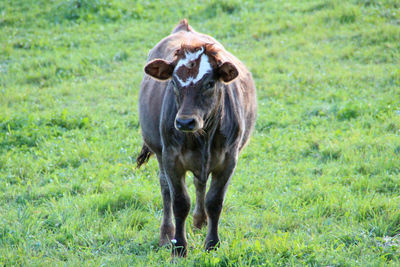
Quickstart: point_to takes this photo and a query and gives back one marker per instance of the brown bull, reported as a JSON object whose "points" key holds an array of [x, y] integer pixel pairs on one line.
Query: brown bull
{"points": [[197, 108]]}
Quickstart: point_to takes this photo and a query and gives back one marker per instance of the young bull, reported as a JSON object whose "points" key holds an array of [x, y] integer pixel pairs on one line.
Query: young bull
{"points": [[197, 108]]}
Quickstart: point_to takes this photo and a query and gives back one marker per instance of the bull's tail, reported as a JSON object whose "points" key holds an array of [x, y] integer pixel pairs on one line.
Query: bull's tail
{"points": [[144, 156]]}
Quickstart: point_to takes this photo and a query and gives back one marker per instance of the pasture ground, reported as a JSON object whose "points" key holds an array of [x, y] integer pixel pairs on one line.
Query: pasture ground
{"points": [[319, 183]]}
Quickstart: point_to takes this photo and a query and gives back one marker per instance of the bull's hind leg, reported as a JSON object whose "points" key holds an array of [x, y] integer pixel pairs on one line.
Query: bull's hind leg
{"points": [[167, 229], [199, 215], [214, 201]]}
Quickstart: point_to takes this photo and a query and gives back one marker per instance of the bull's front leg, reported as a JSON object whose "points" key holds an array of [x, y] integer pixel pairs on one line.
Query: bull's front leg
{"points": [[215, 199], [180, 202]]}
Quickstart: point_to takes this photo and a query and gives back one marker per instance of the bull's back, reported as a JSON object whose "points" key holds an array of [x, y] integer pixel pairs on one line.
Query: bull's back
{"points": [[150, 100], [249, 107]]}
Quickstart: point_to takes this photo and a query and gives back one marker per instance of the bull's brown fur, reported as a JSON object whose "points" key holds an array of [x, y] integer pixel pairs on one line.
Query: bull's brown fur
{"points": [[196, 126]]}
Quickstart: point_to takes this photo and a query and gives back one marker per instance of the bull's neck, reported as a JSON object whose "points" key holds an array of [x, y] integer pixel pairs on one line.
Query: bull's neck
{"points": [[211, 126]]}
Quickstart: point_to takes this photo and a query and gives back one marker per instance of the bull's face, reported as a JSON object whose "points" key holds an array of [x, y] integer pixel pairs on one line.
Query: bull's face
{"points": [[195, 75]]}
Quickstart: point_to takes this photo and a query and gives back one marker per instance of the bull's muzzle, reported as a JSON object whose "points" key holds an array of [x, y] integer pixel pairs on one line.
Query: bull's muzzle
{"points": [[186, 124]]}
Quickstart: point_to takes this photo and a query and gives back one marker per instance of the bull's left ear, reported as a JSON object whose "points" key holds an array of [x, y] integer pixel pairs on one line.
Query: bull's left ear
{"points": [[159, 69], [227, 71]]}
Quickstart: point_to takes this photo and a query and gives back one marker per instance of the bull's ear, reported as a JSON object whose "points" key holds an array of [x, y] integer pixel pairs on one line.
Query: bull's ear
{"points": [[227, 71], [159, 69]]}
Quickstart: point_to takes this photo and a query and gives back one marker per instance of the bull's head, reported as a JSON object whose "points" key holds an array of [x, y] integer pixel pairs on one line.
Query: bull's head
{"points": [[195, 74]]}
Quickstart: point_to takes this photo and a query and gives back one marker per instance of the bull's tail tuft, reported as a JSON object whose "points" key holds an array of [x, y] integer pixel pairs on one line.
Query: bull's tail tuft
{"points": [[144, 156]]}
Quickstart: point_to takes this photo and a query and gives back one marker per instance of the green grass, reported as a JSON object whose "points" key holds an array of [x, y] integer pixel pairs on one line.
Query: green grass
{"points": [[319, 183]]}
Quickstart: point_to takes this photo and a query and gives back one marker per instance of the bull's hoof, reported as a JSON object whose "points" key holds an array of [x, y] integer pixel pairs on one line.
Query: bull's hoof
{"points": [[178, 249], [212, 244], [166, 234], [199, 220]]}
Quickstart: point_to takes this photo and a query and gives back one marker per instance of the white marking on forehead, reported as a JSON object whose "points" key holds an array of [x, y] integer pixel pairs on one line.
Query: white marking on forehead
{"points": [[189, 57], [204, 68]]}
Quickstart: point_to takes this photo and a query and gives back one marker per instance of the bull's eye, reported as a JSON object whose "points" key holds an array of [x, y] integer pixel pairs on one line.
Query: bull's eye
{"points": [[209, 85]]}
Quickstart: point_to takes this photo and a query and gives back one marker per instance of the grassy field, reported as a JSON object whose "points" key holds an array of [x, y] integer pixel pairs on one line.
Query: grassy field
{"points": [[319, 183]]}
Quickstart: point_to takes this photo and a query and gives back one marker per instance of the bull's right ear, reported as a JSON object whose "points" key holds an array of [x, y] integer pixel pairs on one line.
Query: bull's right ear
{"points": [[159, 69]]}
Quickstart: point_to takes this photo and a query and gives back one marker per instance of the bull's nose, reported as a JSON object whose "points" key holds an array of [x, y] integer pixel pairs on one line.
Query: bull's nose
{"points": [[185, 124]]}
